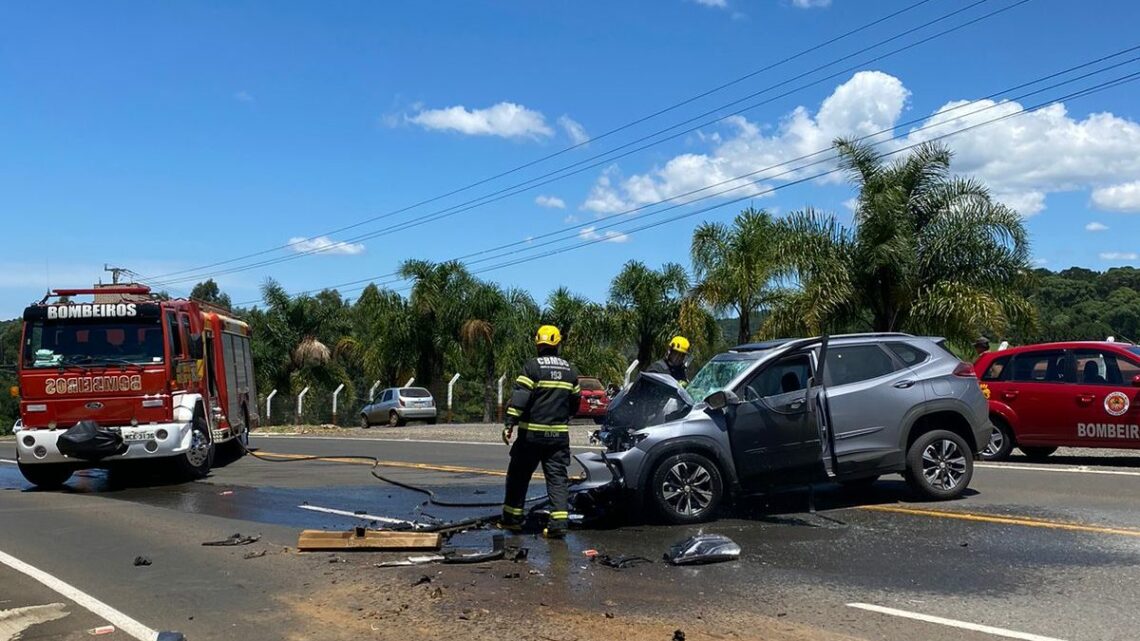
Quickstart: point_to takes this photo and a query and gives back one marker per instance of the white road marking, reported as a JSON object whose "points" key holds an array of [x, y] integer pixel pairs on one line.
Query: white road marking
{"points": [[1083, 469], [13, 622], [302, 437], [365, 517], [953, 623], [7, 460], [111, 615]]}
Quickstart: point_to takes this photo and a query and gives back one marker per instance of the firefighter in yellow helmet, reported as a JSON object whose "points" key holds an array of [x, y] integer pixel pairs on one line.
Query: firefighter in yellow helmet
{"points": [[674, 362], [544, 399]]}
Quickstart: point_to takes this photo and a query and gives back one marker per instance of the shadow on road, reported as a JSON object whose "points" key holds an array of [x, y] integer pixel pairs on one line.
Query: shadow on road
{"points": [[1100, 460]]}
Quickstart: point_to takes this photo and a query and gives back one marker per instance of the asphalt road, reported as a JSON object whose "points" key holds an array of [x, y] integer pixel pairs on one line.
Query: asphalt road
{"points": [[1036, 551]]}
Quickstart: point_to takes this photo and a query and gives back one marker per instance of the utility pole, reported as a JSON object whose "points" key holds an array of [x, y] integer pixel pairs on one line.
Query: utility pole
{"points": [[116, 272]]}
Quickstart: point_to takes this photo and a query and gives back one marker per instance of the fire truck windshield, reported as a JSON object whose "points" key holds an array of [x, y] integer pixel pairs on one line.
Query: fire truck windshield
{"points": [[56, 343]]}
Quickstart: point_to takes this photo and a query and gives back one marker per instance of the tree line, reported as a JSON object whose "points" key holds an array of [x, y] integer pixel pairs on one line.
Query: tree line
{"points": [[926, 252]]}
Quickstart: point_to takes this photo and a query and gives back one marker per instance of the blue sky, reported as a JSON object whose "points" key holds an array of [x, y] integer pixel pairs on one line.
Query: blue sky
{"points": [[162, 137]]}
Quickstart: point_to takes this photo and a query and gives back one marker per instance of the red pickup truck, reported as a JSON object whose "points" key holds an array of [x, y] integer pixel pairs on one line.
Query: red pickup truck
{"points": [[1075, 394]]}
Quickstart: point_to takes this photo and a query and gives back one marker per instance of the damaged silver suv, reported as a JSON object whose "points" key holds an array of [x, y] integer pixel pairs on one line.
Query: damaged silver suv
{"points": [[845, 409]]}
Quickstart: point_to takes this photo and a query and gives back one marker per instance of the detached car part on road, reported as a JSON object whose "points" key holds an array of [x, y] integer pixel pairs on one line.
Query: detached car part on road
{"points": [[398, 405], [845, 409]]}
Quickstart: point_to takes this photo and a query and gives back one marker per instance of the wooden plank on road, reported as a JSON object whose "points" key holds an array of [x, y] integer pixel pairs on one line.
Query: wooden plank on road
{"points": [[362, 539]]}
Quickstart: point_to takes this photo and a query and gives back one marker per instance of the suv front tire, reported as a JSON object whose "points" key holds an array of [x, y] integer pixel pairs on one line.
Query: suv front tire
{"points": [[939, 465], [686, 488]]}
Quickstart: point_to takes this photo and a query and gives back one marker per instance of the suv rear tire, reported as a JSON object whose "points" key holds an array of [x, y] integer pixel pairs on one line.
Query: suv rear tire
{"points": [[47, 476], [686, 488], [1000, 443], [939, 465], [1037, 453]]}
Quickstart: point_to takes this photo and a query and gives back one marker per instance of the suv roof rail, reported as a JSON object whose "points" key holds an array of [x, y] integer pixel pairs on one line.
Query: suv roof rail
{"points": [[776, 342]]}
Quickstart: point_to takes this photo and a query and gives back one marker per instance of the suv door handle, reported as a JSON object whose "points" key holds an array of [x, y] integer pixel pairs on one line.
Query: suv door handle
{"points": [[905, 384], [795, 406]]}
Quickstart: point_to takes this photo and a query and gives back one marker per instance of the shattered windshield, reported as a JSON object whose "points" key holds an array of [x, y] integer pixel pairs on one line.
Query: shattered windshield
{"points": [[719, 372], [51, 343]]}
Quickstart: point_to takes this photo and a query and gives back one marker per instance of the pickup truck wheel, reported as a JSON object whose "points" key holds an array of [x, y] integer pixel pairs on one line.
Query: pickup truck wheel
{"points": [[1037, 453], [364, 422], [939, 465], [48, 476], [686, 488], [1000, 444], [196, 462]]}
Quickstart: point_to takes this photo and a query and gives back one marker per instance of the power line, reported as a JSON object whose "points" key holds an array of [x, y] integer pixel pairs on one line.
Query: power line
{"points": [[601, 136], [624, 218], [603, 158]]}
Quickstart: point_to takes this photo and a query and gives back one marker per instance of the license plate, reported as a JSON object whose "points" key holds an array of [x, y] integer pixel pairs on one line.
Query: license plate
{"points": [[139, 436]]}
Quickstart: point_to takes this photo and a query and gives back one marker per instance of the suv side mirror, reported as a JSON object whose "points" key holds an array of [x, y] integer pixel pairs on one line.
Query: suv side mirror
{"points": [[720, 400], [195, 346], [1136, 381]]}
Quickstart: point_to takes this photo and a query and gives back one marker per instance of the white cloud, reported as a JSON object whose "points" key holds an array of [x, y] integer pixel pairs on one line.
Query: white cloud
{"points": [[1022, 159], [1119, 256], [505, 119], [574, 130], [810, 4], [719, 4], [570, 219], [1040, 262], [609, 236], [1095, 226], [324, 245], [851, 204], [553, 202], [1123, 198], [243, 96], [869, 102]]}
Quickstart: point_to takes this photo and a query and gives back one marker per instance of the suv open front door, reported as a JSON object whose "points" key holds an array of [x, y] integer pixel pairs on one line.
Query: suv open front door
{"points": [[778, 430]]}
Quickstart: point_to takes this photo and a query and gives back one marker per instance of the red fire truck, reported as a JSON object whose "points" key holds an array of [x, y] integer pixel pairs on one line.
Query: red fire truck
{"points": [[128, 376]]}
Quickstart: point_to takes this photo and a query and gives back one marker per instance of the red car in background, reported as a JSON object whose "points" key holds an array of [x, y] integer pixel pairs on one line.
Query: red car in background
{"points": [[594, 399], [1076, 394]]}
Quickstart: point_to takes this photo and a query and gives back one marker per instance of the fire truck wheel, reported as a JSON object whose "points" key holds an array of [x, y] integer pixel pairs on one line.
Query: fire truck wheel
{"points": [[196, 462], [46, 475]]}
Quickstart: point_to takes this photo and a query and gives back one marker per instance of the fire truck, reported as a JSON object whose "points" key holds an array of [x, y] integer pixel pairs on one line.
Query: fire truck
{"points": [[127, 376]]}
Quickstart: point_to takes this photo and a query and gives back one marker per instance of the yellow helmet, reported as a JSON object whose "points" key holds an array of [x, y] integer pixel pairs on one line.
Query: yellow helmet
{"points": [[548, 335], [679, 344]]}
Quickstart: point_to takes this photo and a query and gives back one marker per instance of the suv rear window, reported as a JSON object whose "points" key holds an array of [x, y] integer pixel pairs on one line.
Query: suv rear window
{"points": [[908, 354], [997, 370], [415, 392], [856, 363]]}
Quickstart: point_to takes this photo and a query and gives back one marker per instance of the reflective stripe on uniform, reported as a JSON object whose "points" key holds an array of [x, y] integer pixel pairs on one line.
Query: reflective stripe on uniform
{"points": [[514, 511], [559, 516], [525, 381], [576, 389], [539, 427], [554, 385], [512, 411]]}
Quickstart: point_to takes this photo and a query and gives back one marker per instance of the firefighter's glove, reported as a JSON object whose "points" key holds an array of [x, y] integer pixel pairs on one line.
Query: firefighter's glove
{"points": [[508, 431]]}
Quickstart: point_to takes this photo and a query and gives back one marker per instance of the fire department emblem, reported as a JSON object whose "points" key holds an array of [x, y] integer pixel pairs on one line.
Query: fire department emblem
{"points": [[985, 390], [1116, 403]]}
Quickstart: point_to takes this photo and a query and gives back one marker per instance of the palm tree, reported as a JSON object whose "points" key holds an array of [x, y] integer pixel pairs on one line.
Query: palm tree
{"points": [[381, 344], [437, 289], [495, 330], [927, 252], [647, 304], [734, 266], [591, 335]]}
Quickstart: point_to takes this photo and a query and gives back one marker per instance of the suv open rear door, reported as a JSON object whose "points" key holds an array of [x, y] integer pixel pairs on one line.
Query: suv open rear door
{"points": [[817, 405]]}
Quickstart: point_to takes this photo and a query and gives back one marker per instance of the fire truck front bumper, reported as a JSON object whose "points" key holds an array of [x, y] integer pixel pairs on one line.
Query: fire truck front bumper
{"points": [[156, 440]]}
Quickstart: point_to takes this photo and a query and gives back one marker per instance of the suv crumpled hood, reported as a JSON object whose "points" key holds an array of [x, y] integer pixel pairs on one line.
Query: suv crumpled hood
{"points": [[651, 400]]}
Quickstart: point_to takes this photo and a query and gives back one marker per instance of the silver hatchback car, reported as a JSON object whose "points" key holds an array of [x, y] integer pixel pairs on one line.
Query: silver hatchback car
{"points": [[398, 405], [784, 413]]}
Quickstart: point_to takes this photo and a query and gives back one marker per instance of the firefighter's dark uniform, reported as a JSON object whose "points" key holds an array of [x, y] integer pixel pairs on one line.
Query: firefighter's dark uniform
{"points": [[663, 367], [544, 399]]}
